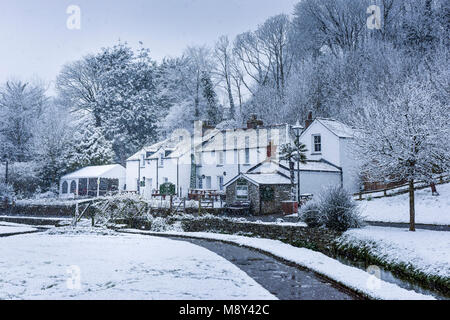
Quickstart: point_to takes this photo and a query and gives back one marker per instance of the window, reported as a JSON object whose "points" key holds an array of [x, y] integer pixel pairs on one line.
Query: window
{"points": [[317, 141], [161, 160], [247, 150], [220, 182], [165, 180], [200, 182], [221, 158], [208, 183], [241, 192], [143, 161], [199, 159], [65, 187], [73, 187]]}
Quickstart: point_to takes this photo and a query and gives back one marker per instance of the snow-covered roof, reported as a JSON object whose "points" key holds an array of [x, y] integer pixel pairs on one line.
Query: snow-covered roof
{"points": [[261, 178], [268, 178], [153, 148], [114, 171], [337, 127], [258, 138], [283, 167]]}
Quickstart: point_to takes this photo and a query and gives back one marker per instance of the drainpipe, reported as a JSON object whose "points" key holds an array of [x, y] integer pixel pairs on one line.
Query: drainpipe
{"points": [[6, 172], [178, 177]]}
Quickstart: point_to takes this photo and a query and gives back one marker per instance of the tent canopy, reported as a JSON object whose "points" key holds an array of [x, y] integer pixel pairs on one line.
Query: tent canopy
{"points": [[115, 171]]}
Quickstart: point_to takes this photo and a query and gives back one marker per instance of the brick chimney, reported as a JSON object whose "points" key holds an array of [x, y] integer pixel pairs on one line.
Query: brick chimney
{"points": [[254, 122], [271, 151], [309, 120]]}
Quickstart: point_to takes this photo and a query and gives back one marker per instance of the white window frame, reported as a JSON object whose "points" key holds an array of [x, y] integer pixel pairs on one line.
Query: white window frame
{"points": [[314, 144], [208, 182], [247, 150]]}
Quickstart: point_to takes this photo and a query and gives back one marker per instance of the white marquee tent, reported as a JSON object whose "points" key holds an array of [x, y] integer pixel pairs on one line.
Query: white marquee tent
{"points": [[93, 181]]}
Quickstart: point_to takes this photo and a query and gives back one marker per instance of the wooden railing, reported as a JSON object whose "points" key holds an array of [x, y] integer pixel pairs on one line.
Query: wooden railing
{"points": [[418, 185]]}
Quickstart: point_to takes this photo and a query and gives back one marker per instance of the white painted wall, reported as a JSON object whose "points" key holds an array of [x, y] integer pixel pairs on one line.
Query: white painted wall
{"points": [[350, 166], [132, 174], [314, 182], [330, 144]]}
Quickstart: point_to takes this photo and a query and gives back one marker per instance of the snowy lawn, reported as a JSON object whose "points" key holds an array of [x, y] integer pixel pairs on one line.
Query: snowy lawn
{"points": [[117, 266], [10, 228], [350, 277], [425, 251], [429, 209]]}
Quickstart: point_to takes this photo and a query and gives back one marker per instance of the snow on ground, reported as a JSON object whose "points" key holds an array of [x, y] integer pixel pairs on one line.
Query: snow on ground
{"points": [[11, 228], [350, 277], [429, 209], [426, 251], [117, 266]]}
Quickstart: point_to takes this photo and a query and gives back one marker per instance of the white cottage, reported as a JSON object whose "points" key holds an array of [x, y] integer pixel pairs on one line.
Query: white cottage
{"points": [[93, 181], [209, 159], [331, 141]]}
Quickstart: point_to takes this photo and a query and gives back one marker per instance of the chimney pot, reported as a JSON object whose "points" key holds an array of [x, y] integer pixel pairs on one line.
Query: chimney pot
{"points": [[309, 120]]}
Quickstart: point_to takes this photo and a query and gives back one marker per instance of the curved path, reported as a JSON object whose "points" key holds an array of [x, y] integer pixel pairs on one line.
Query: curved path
{"points": [[284, 281]]}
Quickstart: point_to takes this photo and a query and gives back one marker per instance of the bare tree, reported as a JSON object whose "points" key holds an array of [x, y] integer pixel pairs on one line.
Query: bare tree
{"points": [[224, 58], [79, 84]]}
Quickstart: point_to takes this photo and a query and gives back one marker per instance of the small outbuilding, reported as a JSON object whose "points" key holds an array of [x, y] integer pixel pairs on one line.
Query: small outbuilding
{"points": [[264, 191], [93, 181], [267, 185]]}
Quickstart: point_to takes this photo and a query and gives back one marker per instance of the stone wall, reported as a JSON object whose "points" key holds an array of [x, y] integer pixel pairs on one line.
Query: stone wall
{"points": [[315, 239], [39, 210], [259, 207], [281, 193]]}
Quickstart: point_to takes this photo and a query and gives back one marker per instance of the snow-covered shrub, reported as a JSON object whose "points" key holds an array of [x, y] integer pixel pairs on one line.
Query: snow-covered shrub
{"points": [[124, 206], [311, 214], [6, 191], [24, 178], [159, 224], [339, 210]]}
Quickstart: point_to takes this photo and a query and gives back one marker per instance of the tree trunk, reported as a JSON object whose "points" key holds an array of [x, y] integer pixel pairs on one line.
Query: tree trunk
{"points": [[412, 212], [433, 189]]}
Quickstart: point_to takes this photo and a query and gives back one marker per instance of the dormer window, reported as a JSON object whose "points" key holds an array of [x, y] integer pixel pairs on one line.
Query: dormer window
{"points": [[317, 143], [161, 160]]}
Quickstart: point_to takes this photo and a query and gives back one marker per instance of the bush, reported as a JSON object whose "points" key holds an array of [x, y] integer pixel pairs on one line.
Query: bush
{"points": [[6, 191], [23, 177], [335, 209], [311, 215], [340, 210]]}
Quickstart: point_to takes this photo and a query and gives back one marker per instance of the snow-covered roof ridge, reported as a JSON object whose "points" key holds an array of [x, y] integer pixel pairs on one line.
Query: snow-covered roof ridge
{"points": [[94, 171], [283, 167], [258, 179], [337, 127]]}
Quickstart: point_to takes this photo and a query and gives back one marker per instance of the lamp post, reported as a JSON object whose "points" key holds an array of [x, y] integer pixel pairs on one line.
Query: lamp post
{"points": [[298, 130]]}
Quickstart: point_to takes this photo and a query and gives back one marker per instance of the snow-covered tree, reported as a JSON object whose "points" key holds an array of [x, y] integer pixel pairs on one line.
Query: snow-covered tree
{"points": [[21, 106], [51, 144], [225, 60], [212, 111], [405, 138], [88, 147]]}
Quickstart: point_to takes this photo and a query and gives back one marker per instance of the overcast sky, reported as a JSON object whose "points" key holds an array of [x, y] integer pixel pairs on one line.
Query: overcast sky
{"points": [[35, 41]]}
